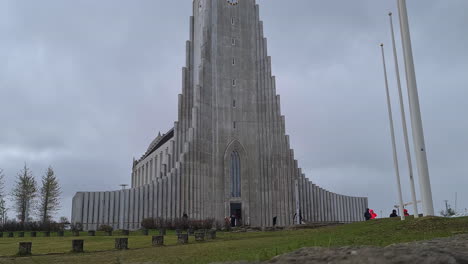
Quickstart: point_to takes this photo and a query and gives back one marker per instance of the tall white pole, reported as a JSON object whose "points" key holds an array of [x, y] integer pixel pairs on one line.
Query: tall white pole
{"points": [[392, 132], [403, 121], [415, 112]]}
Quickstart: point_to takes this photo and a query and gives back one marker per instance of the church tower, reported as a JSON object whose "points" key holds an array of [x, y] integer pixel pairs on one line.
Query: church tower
{"points": [[228, 152], [235, 115]]}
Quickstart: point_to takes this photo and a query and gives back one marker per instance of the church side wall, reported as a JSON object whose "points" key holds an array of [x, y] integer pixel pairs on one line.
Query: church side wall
{"points": [[152, 166]]}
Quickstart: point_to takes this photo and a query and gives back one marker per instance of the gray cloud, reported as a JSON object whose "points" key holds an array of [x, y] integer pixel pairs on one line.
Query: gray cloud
{"points": [[86, 85]]}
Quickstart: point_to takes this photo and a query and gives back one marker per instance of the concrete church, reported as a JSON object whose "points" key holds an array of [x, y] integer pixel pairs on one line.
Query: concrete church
{"points": [[228, 152]]}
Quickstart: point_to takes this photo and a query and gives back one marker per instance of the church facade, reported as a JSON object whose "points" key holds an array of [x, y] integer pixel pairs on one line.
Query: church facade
{"points": [[228, 152]]}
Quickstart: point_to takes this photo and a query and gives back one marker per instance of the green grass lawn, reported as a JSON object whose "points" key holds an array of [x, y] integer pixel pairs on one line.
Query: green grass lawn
{"points": [[232, 246]]}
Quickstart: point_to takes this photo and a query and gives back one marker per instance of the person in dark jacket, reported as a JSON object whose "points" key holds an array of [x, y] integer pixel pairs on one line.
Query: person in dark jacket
{"points": [[233, 220], [394, 214], [367, 214]]}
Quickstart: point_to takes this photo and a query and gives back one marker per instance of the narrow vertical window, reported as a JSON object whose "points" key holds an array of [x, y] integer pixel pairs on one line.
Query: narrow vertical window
{"points": [[233, 21], [233, 103], [235, 175], [233, 61], [234, 82], [234, 124], [233, 41]]}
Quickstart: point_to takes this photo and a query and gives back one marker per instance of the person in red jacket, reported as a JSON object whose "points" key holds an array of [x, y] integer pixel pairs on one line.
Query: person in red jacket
{"points": [[405, 212], [373, 214]]}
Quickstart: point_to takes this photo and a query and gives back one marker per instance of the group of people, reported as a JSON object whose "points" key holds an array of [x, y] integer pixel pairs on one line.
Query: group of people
{"points": [[394, 213], [370, 214]]}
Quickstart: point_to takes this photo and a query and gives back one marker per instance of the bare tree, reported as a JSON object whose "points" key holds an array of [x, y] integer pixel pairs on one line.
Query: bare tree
{"points": [[2, 184], [3, 208], [49, 196], [24, 194]]}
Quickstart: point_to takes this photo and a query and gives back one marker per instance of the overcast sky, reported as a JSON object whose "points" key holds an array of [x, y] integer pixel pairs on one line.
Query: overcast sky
{"points": [[86, 85]]}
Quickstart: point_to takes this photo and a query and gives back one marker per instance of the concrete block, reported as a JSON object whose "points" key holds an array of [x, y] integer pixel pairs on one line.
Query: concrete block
{"points": [[211, 234], [158, 241], [182, 239], [77, 245], [199, 236], [24, 248], [121, 243]]}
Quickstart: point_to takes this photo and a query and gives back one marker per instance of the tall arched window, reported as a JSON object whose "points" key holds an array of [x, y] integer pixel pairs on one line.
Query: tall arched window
{"points": [[235, 175]]}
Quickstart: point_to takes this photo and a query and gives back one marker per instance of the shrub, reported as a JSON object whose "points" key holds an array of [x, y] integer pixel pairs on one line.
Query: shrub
{"points": [[208, 223], [106, 228], [181, 223], [76, 227], [177, 223], [148, 223]]}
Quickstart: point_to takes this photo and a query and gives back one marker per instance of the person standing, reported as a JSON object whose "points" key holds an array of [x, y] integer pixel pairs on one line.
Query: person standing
{"points": [[373, 214], [233, 220], [394, 213], [367, 214]]}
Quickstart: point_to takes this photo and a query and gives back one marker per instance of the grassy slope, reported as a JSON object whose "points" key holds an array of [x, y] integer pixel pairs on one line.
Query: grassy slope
{"points": [[237, 246]]}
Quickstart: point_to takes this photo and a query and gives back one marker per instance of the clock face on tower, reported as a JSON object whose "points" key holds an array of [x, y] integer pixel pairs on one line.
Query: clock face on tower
{"points": [[233, 2]]}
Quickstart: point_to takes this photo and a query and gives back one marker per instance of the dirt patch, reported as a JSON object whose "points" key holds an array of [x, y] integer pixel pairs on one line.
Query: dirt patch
{"points": [[452, 250], [444, 250]]}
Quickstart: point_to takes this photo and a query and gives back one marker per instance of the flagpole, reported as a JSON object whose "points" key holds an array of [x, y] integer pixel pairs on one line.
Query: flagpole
{"points": [[392, 132], [403, 121], [415, 113]]}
